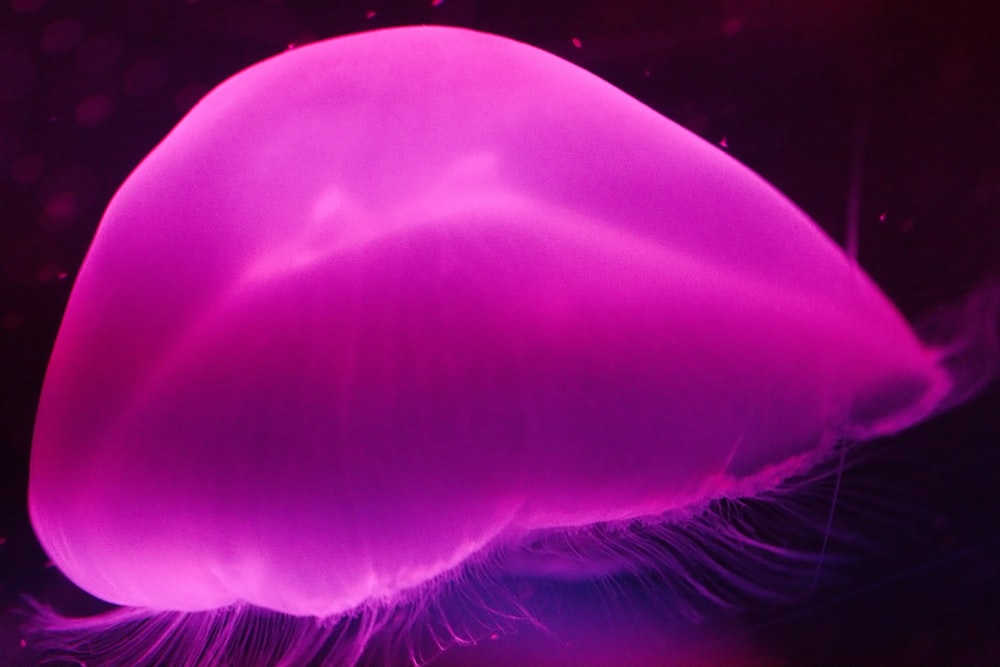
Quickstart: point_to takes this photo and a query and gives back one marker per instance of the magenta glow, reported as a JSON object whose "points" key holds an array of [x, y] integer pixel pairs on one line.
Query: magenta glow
{"points": [[394, 301]]}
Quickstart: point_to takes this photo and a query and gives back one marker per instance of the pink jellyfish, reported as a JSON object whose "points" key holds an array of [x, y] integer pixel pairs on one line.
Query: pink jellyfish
{"points": [[383, 309]]}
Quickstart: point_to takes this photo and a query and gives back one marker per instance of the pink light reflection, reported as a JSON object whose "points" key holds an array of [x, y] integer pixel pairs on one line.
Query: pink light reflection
{"points": [[387, 303]]}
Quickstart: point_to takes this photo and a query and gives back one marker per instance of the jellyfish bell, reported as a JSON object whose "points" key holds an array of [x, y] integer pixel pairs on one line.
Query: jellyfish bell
{"points": [[382, 303]]}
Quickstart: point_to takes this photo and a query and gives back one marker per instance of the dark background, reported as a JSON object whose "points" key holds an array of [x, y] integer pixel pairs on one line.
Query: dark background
{"points": [[900, 98]]}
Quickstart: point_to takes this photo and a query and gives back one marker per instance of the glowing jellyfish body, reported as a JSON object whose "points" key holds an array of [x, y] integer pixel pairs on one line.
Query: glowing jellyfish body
{"points": [[381, 302]]}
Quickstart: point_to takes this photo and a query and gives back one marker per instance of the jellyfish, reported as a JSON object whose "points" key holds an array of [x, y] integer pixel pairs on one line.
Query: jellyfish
{"points": [[385, 309]]}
